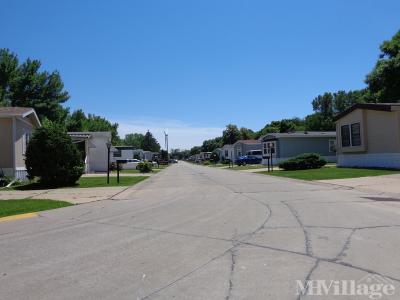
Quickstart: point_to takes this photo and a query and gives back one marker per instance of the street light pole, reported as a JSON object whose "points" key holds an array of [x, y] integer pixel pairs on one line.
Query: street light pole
{"points": [[166, 144], [108, 161]]}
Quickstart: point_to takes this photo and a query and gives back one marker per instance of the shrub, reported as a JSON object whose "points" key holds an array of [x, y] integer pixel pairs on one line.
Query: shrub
{"points": [[145, 167], [5, 180], [53, 158], [303, 162], [206, 162], [226, 161]]}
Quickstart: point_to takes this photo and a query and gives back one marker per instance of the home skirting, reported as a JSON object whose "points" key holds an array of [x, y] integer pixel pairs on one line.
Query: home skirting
{"points": [[275, 161], [375, 160]]}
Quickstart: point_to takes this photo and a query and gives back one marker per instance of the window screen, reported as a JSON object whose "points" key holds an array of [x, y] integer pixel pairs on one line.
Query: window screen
{"points": [[355, 134], [345, 133]]}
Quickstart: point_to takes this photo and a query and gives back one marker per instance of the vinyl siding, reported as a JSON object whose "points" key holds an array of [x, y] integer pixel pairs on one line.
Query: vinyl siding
{"points": [[289, 147], [22, 129], [6, 144]]}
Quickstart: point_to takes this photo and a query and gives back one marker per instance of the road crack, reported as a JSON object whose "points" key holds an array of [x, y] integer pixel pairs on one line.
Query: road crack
{"points": [[307, 239]]}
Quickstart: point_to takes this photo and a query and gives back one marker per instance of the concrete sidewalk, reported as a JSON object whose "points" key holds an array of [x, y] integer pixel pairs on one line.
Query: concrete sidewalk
{"points": [[386, 184], [73, 195]]}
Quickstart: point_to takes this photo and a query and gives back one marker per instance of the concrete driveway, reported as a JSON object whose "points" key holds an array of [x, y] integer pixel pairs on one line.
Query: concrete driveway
{"points": [[385, 185], [194, 232]]}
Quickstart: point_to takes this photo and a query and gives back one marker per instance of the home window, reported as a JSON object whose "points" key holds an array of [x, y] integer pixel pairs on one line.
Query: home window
{"points": [[351, 135], [265, 150], [345, 133], [355, 134], [332, 146], [226, 153]]}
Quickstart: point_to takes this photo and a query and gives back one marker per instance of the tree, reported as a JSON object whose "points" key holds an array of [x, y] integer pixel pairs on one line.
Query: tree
{"points": [[195, 150], [8, 73], [135, 140], [53, 157], [246, 133], [180, 154], [230, 135], [323, 104], [211, 145], [343, 100], [150, 143], [384, 79], [25, 85], [164, 155], [78, 121], [285, 125], [318, 122]]}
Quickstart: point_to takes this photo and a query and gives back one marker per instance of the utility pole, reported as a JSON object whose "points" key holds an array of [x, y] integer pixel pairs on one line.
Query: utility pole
{"points": [[166, 144]]}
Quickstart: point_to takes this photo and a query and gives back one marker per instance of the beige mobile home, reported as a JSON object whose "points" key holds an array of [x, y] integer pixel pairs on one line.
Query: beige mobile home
{"points": [[16, 126], [368, 135]]}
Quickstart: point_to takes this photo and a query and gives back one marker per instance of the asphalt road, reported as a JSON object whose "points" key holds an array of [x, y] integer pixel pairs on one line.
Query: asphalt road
{"points": [[193, 232]]}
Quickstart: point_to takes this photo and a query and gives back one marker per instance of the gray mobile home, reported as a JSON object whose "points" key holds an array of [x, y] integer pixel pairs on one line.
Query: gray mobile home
{"points": [[288, 145], [244, 147]]}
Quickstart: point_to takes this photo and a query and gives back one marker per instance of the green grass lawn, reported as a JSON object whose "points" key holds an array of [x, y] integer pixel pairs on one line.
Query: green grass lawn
{"points": [[331, 173], [85, 182], [155, 170], [217, 165], [248, 167], [89, 182], [16, 207]]}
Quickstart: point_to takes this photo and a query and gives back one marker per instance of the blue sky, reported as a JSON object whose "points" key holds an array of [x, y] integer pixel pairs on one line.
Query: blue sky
{"points": [[194, 66]]}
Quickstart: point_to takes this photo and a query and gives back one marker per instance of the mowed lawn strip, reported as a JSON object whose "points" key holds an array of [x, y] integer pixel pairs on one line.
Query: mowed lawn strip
{"points": [[16, 207], [128, 171], [327, 173], [249, 167], [87, 182]]}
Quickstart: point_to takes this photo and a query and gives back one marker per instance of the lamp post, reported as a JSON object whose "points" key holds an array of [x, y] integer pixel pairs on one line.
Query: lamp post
{"points": [[166, 144], [108, 161]]}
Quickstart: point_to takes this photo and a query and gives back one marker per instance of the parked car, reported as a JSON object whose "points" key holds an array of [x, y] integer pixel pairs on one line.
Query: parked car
{"points": [[131, 164], [248, 159]]}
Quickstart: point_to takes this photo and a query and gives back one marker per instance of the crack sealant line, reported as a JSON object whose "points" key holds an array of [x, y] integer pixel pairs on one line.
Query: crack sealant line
{"points": [[314, 267], [233, 266], [321, 259], [307, 239], [269, 210], [346, 245], [188, 273]]}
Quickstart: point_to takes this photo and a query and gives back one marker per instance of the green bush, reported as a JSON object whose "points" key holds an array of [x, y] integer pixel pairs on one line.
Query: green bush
{"points": [[206, 163], [5, 180], [226, 161], [53, 158], [145, 167], [303, 162]]}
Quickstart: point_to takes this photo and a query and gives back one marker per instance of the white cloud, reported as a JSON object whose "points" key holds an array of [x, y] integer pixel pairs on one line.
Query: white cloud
{"points": [[181, 135]]}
